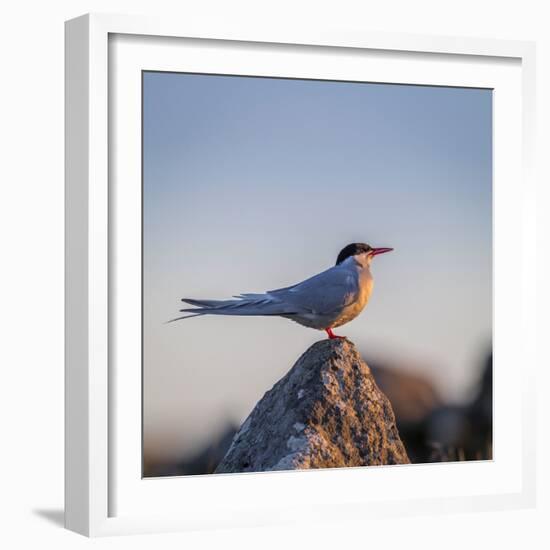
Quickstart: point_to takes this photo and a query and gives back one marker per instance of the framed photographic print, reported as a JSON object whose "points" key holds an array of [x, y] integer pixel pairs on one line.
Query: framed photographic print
{"points": [[231, 199]]}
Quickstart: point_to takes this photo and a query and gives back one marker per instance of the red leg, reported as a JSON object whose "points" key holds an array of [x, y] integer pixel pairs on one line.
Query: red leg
{"points": [[331, 334]]}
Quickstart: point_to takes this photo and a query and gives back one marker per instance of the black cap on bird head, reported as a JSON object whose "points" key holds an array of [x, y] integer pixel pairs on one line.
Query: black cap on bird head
{"points": [[352, 250], [359, 248]]}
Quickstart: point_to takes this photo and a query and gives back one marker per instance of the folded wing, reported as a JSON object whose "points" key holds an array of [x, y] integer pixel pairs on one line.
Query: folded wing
{"points": [[327, 292]]}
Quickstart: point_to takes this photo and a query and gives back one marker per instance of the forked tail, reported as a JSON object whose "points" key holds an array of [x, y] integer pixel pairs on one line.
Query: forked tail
{"points": [[244, 304]]}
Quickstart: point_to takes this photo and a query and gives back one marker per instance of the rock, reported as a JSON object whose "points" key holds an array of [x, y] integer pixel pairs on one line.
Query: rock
{"points": [[412, 394], [326, 412]]}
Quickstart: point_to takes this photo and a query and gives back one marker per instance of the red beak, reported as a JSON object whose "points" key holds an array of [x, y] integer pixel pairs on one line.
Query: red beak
{"points": [[376, 251]]}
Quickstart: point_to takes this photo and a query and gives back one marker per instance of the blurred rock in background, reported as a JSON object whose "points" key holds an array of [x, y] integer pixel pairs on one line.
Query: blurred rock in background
{"points": [[202, 462], [434, 431]]}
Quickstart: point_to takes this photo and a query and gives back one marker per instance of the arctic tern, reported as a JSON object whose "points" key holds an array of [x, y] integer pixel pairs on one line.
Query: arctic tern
{"points": [[325, 301]]}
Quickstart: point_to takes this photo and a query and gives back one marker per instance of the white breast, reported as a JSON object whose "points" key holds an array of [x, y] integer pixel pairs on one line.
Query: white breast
{"points": [[350, 312]]}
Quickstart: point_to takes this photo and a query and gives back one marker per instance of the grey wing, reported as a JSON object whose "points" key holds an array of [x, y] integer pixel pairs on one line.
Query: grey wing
{"points": [[324, 293]]}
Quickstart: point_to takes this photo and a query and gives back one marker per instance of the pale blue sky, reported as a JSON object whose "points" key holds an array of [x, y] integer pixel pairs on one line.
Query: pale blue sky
{"points": [[255, 183]]}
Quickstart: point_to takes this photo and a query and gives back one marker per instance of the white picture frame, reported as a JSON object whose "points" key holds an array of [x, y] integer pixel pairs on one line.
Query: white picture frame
{"points": [[103, 498]]}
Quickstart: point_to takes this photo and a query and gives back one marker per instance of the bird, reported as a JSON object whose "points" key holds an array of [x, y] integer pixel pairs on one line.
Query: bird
{"points": [[325, 301]]}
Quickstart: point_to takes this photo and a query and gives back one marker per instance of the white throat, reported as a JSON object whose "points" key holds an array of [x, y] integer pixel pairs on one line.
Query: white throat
{"points": [[363, 260]]}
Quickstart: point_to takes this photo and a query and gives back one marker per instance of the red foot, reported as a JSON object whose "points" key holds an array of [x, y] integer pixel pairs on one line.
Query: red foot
{"points": [[331, 334]]}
